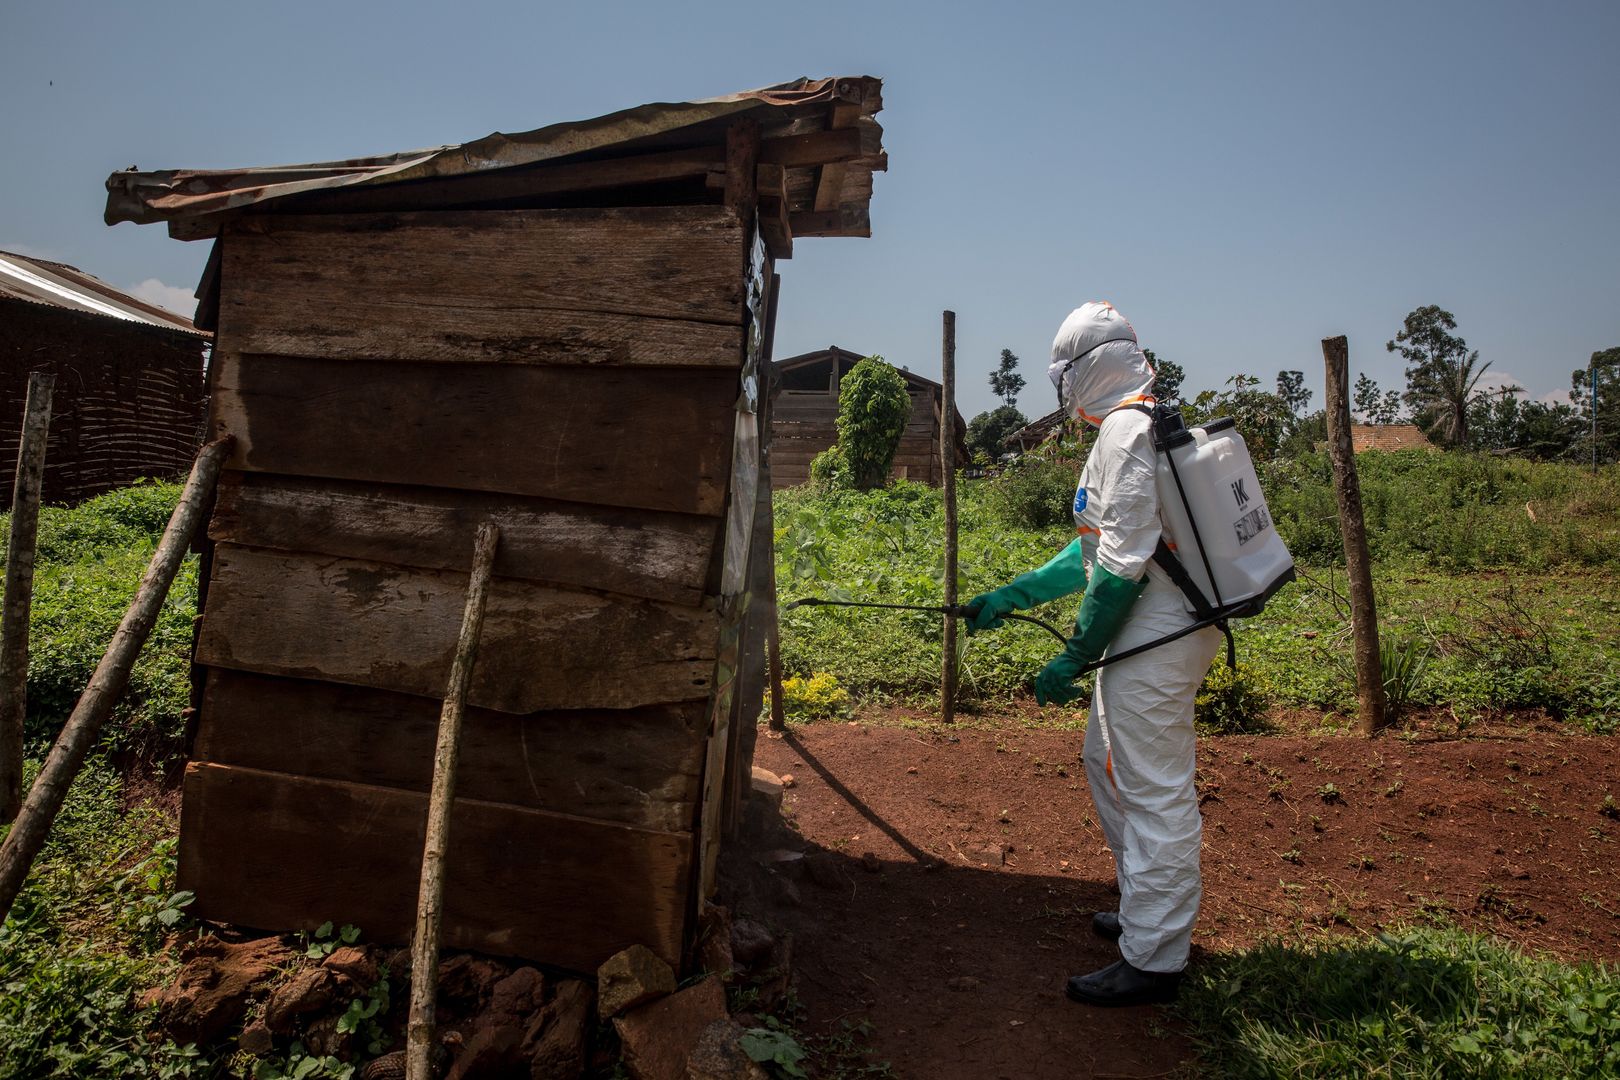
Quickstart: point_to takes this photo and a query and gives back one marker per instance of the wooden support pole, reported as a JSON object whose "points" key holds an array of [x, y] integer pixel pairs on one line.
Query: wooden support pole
{"points": [[19, 597], [1353, 527], [947, 452], [430, 893], [111, 676]]}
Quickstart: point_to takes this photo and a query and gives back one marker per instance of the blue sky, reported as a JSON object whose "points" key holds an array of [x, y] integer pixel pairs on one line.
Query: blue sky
{"points": [[1241, 180]]}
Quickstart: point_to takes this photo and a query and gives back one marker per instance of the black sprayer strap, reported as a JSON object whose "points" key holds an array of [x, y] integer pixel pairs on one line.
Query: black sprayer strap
{"points": [[1207, 616]]}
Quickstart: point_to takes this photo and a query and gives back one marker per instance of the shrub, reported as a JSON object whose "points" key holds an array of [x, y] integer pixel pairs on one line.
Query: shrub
{"points": [[829, 469], [90, 561], [1232, 701], [873, 407], [818, 697], [1034, 492]]}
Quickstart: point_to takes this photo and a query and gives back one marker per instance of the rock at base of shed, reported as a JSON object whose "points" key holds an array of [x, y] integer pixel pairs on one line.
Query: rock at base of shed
{"points": [[630, 978], [659, 1039]]}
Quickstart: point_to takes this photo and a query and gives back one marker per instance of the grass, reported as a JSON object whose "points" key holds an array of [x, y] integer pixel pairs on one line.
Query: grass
{"points": [[90, 561], [84, 937], [1420, 1003], [1508, 612], [85, 934]]}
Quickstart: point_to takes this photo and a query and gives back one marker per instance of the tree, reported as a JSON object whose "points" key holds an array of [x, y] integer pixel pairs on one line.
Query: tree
{"points": [[1441, 375], [1606, 364], [1167, 377], [1262, 418], [986, 431], [1291, 388], [873, 407], [1005, 382], [1373, 408]]}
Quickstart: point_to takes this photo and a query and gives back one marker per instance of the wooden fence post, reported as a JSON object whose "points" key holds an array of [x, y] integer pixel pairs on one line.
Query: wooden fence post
{"points": [[19, 596], [947, 451], [1353, 527], [430, 892], [111, 676]]}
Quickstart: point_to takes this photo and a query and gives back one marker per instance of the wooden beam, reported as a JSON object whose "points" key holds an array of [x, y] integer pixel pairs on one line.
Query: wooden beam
{"points": [[775, 227], [829, 188], [633, 766], [816, 148], [19, 595], [569, 433], [652, 286], [285, 853], [436, 847], [641, 553], [845, 221], [1353, 529], [372, 624]]}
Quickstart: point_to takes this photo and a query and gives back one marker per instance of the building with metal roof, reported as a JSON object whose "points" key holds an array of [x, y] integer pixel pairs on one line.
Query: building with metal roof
{"points": [[129, 397]]}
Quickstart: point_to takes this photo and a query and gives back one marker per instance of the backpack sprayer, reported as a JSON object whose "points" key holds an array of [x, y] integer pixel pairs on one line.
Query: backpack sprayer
{"points": [[1241, 560]]}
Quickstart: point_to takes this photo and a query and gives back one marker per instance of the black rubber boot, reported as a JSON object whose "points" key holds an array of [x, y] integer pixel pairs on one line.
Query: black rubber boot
{"points": [[1105, 924], [1121, 984]]}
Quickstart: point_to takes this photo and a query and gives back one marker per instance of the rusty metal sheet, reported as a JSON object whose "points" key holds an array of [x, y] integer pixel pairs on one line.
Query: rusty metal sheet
{"points": [[788, 108], [59, 285]]}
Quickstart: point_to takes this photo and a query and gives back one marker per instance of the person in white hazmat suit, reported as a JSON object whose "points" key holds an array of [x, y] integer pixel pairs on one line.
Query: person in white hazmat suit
{"points": [[1139, 741]]}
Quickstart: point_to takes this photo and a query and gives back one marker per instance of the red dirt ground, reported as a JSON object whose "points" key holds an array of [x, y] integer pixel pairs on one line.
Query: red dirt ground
{"points": [[983, 863]]}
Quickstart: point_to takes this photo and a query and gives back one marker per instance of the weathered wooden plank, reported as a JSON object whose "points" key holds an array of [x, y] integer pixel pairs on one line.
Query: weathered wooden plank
{"points": [[649, 438], [537, 286], [633, 766], [660, 556], [394, 628], [280, 852]]}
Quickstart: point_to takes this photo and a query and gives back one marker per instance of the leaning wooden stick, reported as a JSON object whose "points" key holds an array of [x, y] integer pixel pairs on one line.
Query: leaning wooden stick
{"points": [[430, 894], [111, 676], [20, 589]]}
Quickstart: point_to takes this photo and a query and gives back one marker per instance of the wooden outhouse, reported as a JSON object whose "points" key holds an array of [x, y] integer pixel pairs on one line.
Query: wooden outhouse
{"points": [[128, 401], [565, 331], [805, 414]]}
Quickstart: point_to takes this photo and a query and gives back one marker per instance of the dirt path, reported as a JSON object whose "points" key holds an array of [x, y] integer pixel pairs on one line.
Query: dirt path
{"points": [[952, 875]]}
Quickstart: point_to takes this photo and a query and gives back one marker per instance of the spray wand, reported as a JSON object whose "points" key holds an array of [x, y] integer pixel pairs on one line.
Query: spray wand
{"points": [[960, 611]]}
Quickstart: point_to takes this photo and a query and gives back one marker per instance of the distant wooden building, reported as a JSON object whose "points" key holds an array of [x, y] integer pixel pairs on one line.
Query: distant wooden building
{"points": [[565, 331], [1036, 432], [806, 413], [1389, 437], [128, 401]]}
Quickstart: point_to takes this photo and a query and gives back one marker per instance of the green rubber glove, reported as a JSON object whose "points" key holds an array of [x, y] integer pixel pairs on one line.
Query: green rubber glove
{"points": [[1064, 574], [1108, 602]]}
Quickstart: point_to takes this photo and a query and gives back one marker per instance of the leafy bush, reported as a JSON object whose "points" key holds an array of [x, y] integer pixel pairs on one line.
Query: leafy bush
{"points": [[1034, 492], [873, 407], [1232, 701], [818, 697], [82, 939], [90, 561], [830, 469], [1418, 1004]]}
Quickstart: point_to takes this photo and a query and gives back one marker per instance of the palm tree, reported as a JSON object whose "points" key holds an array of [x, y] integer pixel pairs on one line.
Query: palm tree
{"points": [[1444, 375]]}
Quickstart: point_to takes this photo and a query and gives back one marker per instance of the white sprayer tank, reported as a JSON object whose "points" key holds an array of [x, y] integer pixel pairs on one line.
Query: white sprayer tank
{"points": [[1239, 542]]}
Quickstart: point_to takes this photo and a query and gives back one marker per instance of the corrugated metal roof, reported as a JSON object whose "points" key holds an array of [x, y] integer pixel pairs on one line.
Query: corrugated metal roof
{"points": [[798, 107], [63, 286]]}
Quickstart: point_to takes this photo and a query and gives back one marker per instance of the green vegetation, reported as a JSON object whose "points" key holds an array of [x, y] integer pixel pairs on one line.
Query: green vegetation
{"points": [[83, 939], [84, 935], [1488, 607], [1420, 1003], [90, 561], [873, 406]]}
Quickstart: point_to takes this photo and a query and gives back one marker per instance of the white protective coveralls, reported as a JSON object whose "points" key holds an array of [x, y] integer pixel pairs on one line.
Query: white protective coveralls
{"points": [[1139, 742]]}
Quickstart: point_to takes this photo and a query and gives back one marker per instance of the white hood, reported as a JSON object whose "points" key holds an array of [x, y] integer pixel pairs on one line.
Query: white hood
{"points": [[1096, 364]]}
